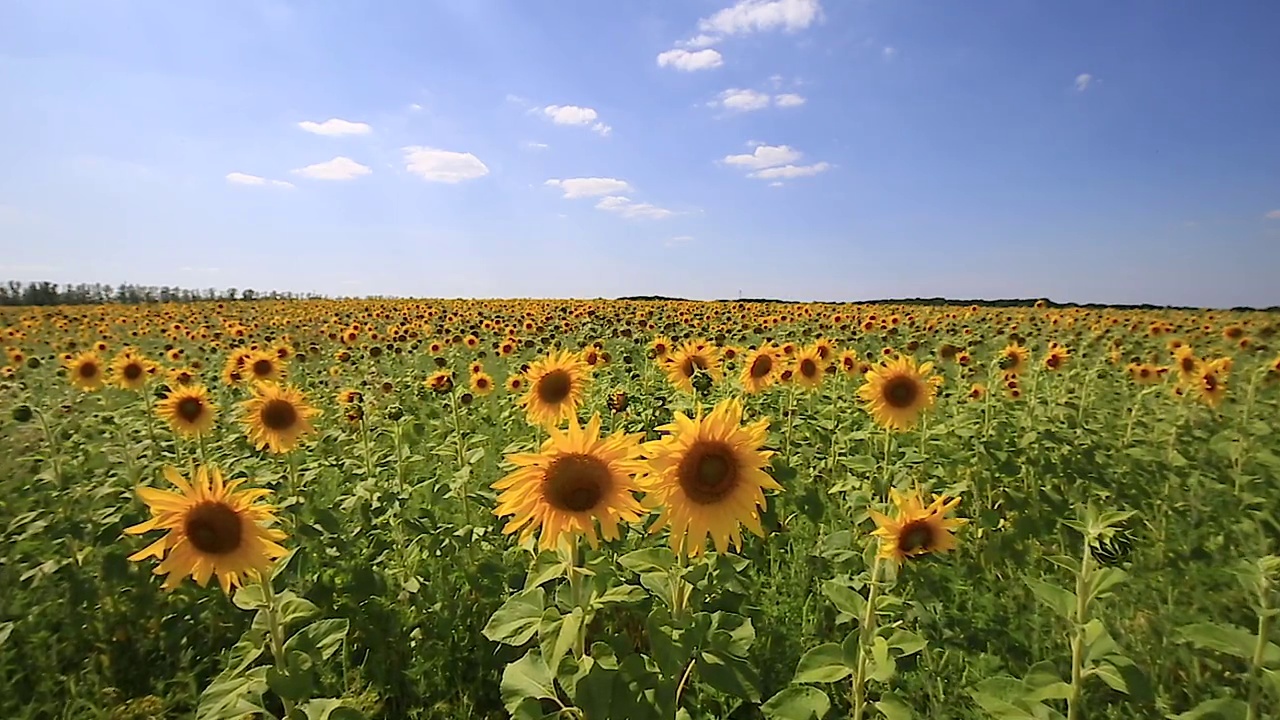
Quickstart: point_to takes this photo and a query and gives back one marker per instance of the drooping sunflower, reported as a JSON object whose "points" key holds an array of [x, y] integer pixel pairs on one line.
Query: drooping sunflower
{"points": [[556, 386], [686, 361], [807, 367], [1056, 358], [188, 410], [915, 529], [263, 365], [708, 478], [130, 370], [440, 381], [1014, 357], [85, 371], [760, 369], [897, 391], [576, 480], [277, 416], [213, 529]]}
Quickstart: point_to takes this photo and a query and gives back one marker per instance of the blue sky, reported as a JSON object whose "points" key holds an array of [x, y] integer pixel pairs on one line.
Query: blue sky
{"points": [[1088, 151]]}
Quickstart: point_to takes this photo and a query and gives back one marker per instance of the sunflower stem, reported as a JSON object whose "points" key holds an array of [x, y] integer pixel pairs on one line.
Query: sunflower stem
{"points": [[791, 416], [577, 596], [151, 417], [462, 460], [866, 633], [1266, 619], [276, 633], [1084, 579], [53, 445], [364, 440]]}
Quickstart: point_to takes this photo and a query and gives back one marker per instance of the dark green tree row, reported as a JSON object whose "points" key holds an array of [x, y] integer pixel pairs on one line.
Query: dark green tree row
{"points": [[49, 293]]}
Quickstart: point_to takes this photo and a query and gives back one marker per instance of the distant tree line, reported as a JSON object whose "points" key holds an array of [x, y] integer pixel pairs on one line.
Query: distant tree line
{"points": [[49, 293]]}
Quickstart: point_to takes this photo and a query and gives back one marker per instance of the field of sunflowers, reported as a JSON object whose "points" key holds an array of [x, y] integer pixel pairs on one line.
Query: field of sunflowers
{"points": [[338, 509]]}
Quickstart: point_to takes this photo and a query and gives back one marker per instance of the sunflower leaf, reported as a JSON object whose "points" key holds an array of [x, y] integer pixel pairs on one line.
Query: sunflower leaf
{"points": [[1061, 601], [851, 605], [330, 709], [822, 664], [893, 707], [526, 679], [1217, 709], [728, 674], [516, 622], [797, 703]]}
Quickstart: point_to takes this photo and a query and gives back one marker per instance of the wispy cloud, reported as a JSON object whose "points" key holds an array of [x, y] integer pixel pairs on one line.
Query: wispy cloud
{"points": [[749, 16], [1273, 215], [339, 168], [334, 127], [775, 162], [239, 178], [576, 115], [589, 186], [443, 166], [1083, 81], [678, 240], [628, 208], [687, 61], [786, 100]]}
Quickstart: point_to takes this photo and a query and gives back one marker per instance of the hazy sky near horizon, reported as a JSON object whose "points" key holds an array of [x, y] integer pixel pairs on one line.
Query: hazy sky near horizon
{"points": [[1090, 151]]}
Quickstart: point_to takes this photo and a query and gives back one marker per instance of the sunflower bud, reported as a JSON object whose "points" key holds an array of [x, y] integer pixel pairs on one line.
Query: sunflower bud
{"points": [[618, 401], [395, 412], [33, 362], [22, 413]]}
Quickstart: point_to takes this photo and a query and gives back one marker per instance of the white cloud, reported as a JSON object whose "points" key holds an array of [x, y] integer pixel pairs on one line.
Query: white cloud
{"points": [[443, 165], [788, 100], [628, 208], [741, 100], [334, 127], [889, 52], [1273, 215], [678, 240], [1083, 81], [749, 16], [574, 115], [589, 186], [698, 42], [339, 168], [416, 107], [687, 61], [239, 178], [790, 171], [765, 156], [536, 145]]}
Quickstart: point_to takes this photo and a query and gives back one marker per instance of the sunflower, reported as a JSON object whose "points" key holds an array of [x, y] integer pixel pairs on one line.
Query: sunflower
{"points": [[350, 397], [263, 365], [849, 362], [1186, 363], [440, 381], [708, 477], [1144, 374], [685, 362], [807, 365], [182, 376], [1013, 358], [824, 349], [760, 369], [213, 529], [481, 383], [85, 371], [233, 373], [577, 479], [1211, 386], [898, 390], [277, 416], [978, 391], [916, 530], [1056, 358], [556, 385], [130, 370], [515, 383], [661, 347], [188, 410]]}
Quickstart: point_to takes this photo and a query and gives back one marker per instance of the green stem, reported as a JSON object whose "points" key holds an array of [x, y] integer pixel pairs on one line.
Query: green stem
{"points": [[577, 596], [866, 634], [276, 633], [1266, 620], [791, 416], [151, 417], [53, 446], [368, 455], [1079, 621], [462, 459]]}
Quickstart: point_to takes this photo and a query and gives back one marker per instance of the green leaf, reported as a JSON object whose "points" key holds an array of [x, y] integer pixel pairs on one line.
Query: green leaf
{"points": [[249, 597], [883, 665], [232, 696], [648, 560], [1043, 683], [294, 609], [1098, 643], [824, 663], [1111, 676], [1229, 639], [6, 628], [330, 709], [797, 703], [323, 636], [525, 679], [850, 604], [516, 622], [297, 680], [893, 708], [570, 627], [1217, 709], [728, 674], [1104, 579], [621, 594], [906, 642], [1062, 602], [546, 567], [731, 633]]}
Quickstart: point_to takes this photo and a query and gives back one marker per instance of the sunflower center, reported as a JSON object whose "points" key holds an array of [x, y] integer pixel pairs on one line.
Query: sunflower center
{"points": [[576, 483], [132, 371], [213, 528], [1210, 383], [279, 414], [190, 409], [901, 392], [916, 536], [709, 472], [88, 370], [808, 368], [554, 387], [262, 367], [761, 367], [1187, 364]]}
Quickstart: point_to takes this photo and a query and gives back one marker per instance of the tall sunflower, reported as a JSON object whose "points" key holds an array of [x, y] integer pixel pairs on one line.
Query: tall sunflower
{"points": [[915, 529], [213, 529], [188, 410], [85, 371], [1211, 386], [130, 370], [576, 480], [760, 368], [1186, 363], [897, 391], [556, 386], [685, 362], [807, 367], [263, 365], [1014, 357], [277, 416], [708, 477], [1056, 358]]}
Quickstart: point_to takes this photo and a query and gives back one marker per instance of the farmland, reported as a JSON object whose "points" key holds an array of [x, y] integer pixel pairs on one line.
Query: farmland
{"points": [[638, 509]]}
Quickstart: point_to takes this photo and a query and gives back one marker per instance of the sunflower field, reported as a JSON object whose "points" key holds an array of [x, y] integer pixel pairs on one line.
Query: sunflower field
{"points": [[338, 509]]}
